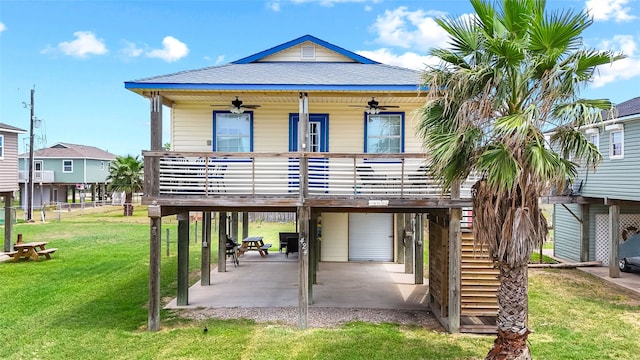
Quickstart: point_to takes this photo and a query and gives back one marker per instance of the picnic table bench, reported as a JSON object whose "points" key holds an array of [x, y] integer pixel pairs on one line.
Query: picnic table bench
{"points": [[31, 250]]}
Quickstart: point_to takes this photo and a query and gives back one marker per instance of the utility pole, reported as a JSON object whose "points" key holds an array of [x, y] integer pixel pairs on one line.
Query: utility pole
{"points": [[31, 137]]}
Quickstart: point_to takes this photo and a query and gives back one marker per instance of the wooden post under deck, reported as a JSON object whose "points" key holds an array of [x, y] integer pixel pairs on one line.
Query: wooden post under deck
{"points": [[154, 211], [245, 225], [155, 236], [455, 262], [399, 219], [304, 214], [222, 242], [419, 236], [408, 244], [183, 259], [8, 221], [205, 263], [234, 227], [614, 240], [584, 232]]}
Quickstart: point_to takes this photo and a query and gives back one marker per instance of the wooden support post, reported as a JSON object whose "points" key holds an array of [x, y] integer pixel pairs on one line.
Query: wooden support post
{"points": [[408, 244], [183, 259], [614, 240], [154, 273], [419, 236], [245, 225], [222, 241], [455, 263], [399, 221], [303, 254], [584, 232], [8, 221], [205, 263], [234, 226]]}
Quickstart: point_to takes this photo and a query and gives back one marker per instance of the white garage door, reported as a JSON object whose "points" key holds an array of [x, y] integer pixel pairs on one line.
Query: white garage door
{"points": [[370, 237]]}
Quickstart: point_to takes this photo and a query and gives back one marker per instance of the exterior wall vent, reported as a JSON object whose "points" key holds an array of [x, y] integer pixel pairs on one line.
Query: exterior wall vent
{"points": [[308, 52]]}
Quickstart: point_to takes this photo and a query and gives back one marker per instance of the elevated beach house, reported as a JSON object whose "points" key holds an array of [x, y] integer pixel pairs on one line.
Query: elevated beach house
{"points": [[311, 128], [604, 203], [65, 170]]}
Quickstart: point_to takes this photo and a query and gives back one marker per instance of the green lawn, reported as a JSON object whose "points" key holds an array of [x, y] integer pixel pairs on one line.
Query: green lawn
{"points": [[89, 302]]}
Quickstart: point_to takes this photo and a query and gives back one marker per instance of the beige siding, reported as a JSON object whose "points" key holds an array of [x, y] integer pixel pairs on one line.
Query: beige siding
{"points": [[294, 54], [9, 163], [335, 237], [192, 127]]}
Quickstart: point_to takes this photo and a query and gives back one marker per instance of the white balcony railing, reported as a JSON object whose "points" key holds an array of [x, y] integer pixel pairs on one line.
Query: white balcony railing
{"points": [[39, 176], [271, 174]]}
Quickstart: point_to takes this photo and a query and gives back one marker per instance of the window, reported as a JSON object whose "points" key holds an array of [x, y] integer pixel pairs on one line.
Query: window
{"points": [[232, 132], [595, 139], [384, 134], [101, 165], [67, 166], [1, 146], [616, 144]]}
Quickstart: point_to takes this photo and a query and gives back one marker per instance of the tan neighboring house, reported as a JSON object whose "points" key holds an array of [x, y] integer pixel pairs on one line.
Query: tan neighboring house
{"points": [[8, 176], [311, 128]]}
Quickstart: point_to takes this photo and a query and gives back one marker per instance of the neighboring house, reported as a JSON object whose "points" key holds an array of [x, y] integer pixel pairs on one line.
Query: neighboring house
{"points": [[64, 170], [8, 177], [605, 196], [359, 173]]}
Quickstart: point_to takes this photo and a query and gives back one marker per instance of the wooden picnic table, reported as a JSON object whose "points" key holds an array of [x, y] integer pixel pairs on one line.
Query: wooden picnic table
{"points": [[31, 250], [254, 243]]}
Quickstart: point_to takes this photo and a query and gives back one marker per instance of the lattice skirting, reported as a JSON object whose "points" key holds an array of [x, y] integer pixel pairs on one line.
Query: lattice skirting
{"points": [[602, 233]]}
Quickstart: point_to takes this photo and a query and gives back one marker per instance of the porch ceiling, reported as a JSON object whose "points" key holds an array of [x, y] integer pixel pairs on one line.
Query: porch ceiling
{"points": [[281, 97]]}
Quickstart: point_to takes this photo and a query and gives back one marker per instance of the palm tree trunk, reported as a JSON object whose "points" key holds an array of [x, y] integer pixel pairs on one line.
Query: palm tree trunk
{"points": [[511, 343], [128, 204]]}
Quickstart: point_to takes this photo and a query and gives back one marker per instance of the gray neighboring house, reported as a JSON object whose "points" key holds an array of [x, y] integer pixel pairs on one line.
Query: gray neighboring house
{"points": [[582, 230], [8, 176], [64, 170]]}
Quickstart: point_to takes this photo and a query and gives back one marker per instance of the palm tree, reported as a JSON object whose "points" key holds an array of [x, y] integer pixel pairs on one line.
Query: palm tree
{"points": [[125, 174], [512, 72]]}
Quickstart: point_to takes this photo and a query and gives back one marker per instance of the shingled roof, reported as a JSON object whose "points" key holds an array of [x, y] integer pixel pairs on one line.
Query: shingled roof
{"points": [[629, 107], [253, 73], [71, 151], [13, 129]]}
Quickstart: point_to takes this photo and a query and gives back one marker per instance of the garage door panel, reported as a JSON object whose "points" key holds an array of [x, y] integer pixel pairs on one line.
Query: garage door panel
{"points": [[370, 237]]}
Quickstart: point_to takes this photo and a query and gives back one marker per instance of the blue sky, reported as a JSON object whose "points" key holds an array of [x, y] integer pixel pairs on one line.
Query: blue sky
{"points": [[78, 54]]}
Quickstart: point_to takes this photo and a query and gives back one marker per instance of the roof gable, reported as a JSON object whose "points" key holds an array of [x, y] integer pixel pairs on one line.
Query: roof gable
{"points": [[261, 56], [72, 151], [11, 129]]}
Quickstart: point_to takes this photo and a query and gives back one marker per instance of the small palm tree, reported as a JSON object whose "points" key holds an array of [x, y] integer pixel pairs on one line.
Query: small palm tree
{"points": [[511, 74], [125, 174]]}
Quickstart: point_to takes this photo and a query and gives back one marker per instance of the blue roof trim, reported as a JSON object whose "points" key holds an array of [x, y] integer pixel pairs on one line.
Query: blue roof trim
{"points": [[351, 55], [309, 87]]}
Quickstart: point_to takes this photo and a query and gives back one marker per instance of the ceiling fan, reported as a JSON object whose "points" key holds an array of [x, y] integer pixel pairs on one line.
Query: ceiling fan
{"points": [[237, 107], [374, 107]]}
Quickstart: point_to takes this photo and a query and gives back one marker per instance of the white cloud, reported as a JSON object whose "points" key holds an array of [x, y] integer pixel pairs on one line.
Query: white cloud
{"points": [[220, 60], [410, 29], [408, 60], [328, 3], [2, 27], [130, 50], [85, 44], [274, 5], [603, 10], [624, 69], [172, 50]]}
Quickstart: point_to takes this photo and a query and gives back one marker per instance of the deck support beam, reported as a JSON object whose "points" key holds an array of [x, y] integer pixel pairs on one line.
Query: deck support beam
{"points": [[614, 240], [183, 259], [234, 226], [408, 239], [8, 221], [303, 278], [222, 241], [205, 263], [584, 232], [399, 219], [245, 225], [419, 236], [155, 235], [455, 262]]}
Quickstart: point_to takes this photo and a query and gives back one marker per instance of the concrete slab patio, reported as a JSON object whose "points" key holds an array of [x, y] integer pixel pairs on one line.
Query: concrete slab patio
{"points": [[272, 281]]}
